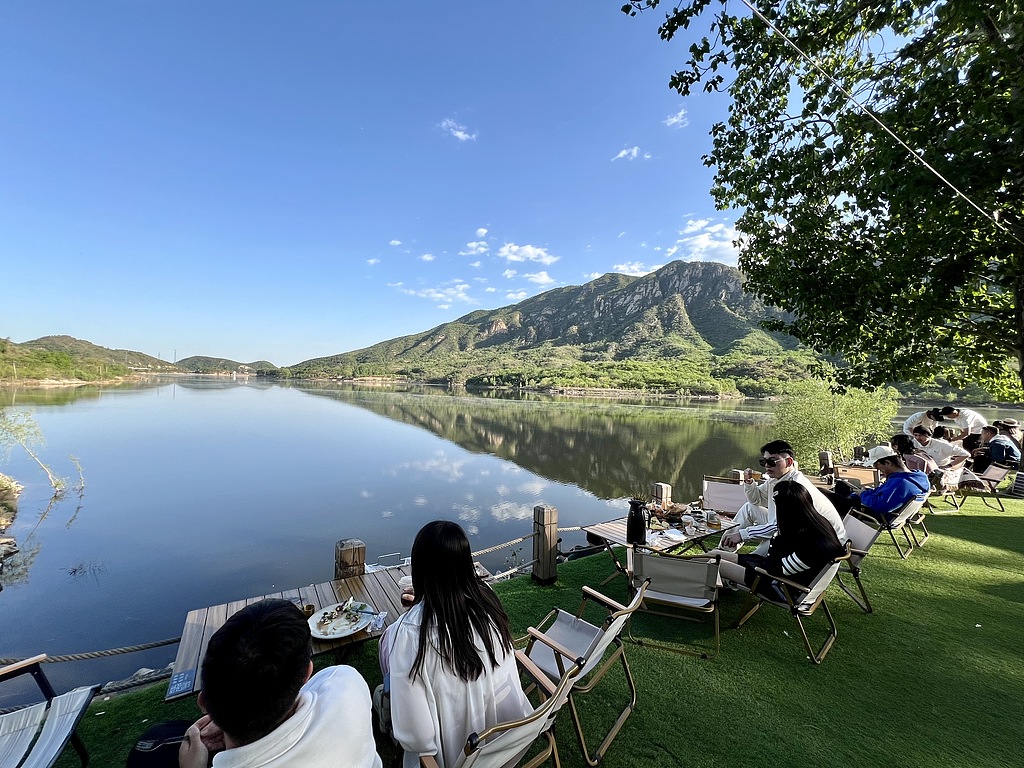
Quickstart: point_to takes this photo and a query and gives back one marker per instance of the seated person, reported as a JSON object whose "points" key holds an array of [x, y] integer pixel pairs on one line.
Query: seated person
{"points": [[263, 708], [946, 455], [1010, 428], [899, 486], [449, 659], [757, 517], [905, 447], [995, 449], [805, 543]]}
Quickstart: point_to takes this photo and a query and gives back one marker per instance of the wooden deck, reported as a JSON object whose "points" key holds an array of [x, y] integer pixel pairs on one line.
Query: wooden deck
{"points": [[376, 588]]}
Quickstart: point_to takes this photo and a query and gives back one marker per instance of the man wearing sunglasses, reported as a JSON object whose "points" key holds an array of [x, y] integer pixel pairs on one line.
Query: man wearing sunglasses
{"points": [[756, 518]]}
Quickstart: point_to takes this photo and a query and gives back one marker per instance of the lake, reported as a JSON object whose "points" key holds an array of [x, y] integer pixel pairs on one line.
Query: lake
{"points": [[200, 491]]}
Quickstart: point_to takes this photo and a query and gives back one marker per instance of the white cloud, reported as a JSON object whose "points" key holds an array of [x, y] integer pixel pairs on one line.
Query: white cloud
{"points": [[467, 513], [678, 120], [480, 233], [475, 263], [427, 257], [371, 262], [631, 153], [635, 268], [513, 252], [508, 274], [592, 276], [490, 290], [503, 490], [444, 306], [517, 296], [457, 130], [447, 293], [479, 279], [694, 225], [540, 278], [671, 251], [709, 242], [419, 501], [621, 234], [394, 242], [475, 249], [395, 285], [533, 487], [509, 510], [365, 494]]}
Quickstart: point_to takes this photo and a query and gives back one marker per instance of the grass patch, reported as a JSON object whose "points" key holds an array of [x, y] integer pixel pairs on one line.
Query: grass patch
{"points": [[934, 677]]}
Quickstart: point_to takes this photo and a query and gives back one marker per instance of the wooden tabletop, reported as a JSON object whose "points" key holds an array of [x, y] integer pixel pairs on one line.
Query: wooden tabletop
{"points": [[614, 532], [378, 589]]}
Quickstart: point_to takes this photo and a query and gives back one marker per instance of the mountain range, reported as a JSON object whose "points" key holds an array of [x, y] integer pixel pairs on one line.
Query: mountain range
{"points": [[687, 328]]}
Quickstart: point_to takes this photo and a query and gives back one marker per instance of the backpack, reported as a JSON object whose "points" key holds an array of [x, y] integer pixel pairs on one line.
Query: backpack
{"points": [[158, 746]]}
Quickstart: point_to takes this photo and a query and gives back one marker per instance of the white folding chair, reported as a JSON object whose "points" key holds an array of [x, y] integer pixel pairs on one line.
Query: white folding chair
{"points": [[682, 582], [801, 602], [862, 534], [562, 639], [505, 744]]}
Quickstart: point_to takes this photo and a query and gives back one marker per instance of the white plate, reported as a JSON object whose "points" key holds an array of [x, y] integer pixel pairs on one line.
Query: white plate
{"points": [[343, 625]]}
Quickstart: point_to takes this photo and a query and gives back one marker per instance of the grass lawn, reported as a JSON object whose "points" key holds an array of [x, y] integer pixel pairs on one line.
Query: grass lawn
{"points": [[934, 677]]}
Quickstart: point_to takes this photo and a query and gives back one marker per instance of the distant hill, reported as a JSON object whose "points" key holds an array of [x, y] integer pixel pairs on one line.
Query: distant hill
{"points": [[68, 358], [689, 327], [201, 364]]}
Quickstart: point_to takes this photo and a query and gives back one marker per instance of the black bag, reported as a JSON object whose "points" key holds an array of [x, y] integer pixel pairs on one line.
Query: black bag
{"points": [[158, 746]]}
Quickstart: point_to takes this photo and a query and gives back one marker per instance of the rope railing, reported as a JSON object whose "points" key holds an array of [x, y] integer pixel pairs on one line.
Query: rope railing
{"points": [[571, 529], [511, 571], [98, 654], [496, 547]]}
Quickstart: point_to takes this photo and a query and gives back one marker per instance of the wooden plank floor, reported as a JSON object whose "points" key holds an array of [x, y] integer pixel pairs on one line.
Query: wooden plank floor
{"points": [[378, 589]]}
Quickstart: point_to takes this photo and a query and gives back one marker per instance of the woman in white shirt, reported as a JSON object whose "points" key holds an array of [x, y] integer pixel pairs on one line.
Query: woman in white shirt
{"points": [[452, 668]]}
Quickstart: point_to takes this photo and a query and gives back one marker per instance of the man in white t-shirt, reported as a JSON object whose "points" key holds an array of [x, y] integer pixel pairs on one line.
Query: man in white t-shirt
{"points": [[263, 710], [970, 423], [929, 418], [946, 455]]}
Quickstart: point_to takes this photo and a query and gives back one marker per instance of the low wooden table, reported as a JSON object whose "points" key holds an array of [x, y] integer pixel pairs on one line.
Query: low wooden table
{"points": [[378, 588]]}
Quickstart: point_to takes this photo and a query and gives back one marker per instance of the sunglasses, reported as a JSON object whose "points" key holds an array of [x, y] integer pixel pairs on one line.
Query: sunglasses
{"points": [[769, 463]]}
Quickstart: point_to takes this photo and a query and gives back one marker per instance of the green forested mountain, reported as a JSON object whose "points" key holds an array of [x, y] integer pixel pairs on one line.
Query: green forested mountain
{"points": [[202, 364], [65, 357], [688, 327]]}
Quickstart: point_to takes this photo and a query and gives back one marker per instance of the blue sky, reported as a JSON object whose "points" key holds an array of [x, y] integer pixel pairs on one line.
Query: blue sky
{"points": [[282, 181]]}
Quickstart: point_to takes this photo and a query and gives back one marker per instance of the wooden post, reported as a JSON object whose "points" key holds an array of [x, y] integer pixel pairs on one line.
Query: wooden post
{"points": [[545, 544], [349, 558]]}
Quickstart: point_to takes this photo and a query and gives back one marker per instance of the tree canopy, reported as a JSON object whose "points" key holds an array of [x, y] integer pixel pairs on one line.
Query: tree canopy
{"points": [[876, 258]]}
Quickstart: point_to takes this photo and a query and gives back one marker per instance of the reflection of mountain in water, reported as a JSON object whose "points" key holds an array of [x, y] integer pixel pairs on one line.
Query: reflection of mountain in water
{"points": [[609, 449]]}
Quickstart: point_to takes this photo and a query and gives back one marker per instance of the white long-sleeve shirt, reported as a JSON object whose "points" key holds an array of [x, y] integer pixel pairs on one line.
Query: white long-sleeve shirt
{"points": [[970, 420], [435, 713], [761, 495]]}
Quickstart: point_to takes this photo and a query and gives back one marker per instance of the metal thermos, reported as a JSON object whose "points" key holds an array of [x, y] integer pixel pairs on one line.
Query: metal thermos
{"points": [[636, 523]]}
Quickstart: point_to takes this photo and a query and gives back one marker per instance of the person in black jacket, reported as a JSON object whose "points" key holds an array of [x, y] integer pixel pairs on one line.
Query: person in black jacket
{"points": [[805, 543]]}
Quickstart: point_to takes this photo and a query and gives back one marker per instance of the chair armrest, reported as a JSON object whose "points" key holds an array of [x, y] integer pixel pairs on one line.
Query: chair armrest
{"points": [[428, 761], [782, 580], [557, 647], [20, 667], [855, 551], [535, 672], [604, 600]]}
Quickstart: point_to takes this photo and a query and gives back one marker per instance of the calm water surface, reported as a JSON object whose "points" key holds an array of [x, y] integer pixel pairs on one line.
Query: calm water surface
{"points": [[203, 491]]}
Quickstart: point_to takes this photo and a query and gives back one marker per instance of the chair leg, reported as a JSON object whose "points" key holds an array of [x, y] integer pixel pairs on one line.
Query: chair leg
{"points": [[862, 602], [833, 633], [748, 614], [919, 520], [675, 649], [903, 554], [595, 759]]}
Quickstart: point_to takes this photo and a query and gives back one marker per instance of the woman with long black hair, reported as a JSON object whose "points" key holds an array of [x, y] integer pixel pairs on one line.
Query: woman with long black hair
{"points": [[805, 543], [452, 669]]}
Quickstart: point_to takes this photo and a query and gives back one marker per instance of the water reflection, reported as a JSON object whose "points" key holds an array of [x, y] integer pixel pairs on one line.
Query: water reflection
{"points": [[610, 449]]}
